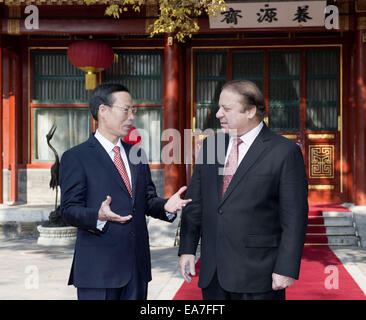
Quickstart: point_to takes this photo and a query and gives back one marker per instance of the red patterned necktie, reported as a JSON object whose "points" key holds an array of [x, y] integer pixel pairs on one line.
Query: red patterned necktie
{"points": [[231, 164], [121, 168]]}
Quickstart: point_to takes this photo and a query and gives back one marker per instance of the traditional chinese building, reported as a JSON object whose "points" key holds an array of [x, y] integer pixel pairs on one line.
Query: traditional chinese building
{"points": [[313, 78]]}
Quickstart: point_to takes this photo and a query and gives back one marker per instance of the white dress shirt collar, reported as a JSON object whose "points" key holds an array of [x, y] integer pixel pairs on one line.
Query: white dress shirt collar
{"points": [[106, 144], [249, 137]]}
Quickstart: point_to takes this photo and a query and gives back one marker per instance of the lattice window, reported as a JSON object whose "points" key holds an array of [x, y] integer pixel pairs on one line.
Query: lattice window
{"points": [[141, 73], [249, 66], [56, 80], [322, 89], [284, 90], [59, 97], [210, 77]]}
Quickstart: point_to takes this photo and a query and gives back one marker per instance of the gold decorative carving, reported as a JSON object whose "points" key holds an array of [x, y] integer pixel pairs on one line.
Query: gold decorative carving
{"points": [[361, 23], [290, 136], [343, 23], [320, 187], [339, 123], [314, 136], [321, 161], [14, 12], [13, 26], [343, 7]]}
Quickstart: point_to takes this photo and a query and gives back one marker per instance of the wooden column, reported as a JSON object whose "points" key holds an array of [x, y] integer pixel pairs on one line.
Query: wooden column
{"points": [[349, 122], [13, 112], [171, 109], [11, 99], [360, 100], [1, 122], [183, 113]]}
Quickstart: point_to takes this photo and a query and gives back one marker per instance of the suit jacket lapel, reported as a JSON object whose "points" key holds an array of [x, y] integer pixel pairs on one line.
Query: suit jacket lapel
{"points": [[257, 148], [106, 162]]}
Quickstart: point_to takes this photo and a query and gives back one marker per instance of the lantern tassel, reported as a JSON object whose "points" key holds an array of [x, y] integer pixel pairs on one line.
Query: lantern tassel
{"points": [[90, 81]]}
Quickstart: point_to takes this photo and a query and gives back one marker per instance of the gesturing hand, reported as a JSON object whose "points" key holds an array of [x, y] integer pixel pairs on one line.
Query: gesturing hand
{"points": [[175, 203], [105, 213]]}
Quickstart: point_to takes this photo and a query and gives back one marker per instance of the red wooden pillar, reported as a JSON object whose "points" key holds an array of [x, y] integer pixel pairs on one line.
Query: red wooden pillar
{"points": [[350, 115], [349, 121], [360, 101], [11, 99], [13, 113], [171, 109], [1, 122], [182, 115]]}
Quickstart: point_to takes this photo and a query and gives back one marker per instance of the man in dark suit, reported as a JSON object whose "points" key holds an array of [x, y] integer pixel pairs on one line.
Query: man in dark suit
{"points": [[106, 191], [249, 204]]}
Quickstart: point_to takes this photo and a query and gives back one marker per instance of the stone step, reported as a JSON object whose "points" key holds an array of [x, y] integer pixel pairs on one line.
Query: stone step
{"points": [[340, 245], [352, 240], [331, 221], [334, 230], [337, 214], [338, 240]]}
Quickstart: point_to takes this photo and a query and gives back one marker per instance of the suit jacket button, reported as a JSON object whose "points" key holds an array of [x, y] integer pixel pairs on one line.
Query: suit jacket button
{"points": [[132, 233], [220, 211]]}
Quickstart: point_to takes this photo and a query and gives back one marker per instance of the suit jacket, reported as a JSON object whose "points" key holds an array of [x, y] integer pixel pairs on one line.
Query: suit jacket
{"points": [[105, 259], [259, 226]]}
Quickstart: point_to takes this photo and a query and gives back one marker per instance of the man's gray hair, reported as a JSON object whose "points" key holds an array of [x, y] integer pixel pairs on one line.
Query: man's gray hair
{"points": [[251, 94]]}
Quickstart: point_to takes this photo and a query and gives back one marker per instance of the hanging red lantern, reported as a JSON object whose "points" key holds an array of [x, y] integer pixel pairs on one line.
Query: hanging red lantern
{"points": [[92, 57]]}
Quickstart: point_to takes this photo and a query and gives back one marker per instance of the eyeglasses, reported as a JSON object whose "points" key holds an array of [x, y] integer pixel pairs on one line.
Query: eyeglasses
{"points": [[126, 109]]}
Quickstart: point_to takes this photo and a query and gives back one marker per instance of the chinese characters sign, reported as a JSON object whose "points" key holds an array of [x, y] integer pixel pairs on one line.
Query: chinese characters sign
{"points": [[271, 15]]}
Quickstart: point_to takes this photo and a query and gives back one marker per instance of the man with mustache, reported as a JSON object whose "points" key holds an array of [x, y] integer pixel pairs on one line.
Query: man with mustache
{"points": [[106, 193], [249, 210]]}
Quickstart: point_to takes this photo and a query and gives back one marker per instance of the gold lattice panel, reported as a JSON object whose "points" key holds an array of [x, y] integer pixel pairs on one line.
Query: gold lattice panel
{"points": [[321, 161]]}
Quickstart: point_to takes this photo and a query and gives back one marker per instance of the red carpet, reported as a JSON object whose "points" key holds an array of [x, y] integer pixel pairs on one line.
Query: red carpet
{"points": [[316, 278], [317, 274], [312, 283]]}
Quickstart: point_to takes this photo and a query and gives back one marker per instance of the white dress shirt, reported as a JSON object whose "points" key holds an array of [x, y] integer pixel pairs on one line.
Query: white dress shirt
{"points": [[247, 138], [108, 147]]}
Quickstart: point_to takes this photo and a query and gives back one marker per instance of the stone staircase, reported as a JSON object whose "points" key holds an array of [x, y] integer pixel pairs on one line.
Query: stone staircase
{"points": [[333, 228]]}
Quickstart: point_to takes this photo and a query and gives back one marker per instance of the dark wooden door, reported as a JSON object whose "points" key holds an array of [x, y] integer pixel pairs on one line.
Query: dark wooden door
{"points": [[301, 86]]}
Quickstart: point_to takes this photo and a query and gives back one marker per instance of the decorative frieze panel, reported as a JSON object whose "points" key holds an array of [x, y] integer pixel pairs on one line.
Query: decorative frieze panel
{"points": [[321, 161]]}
